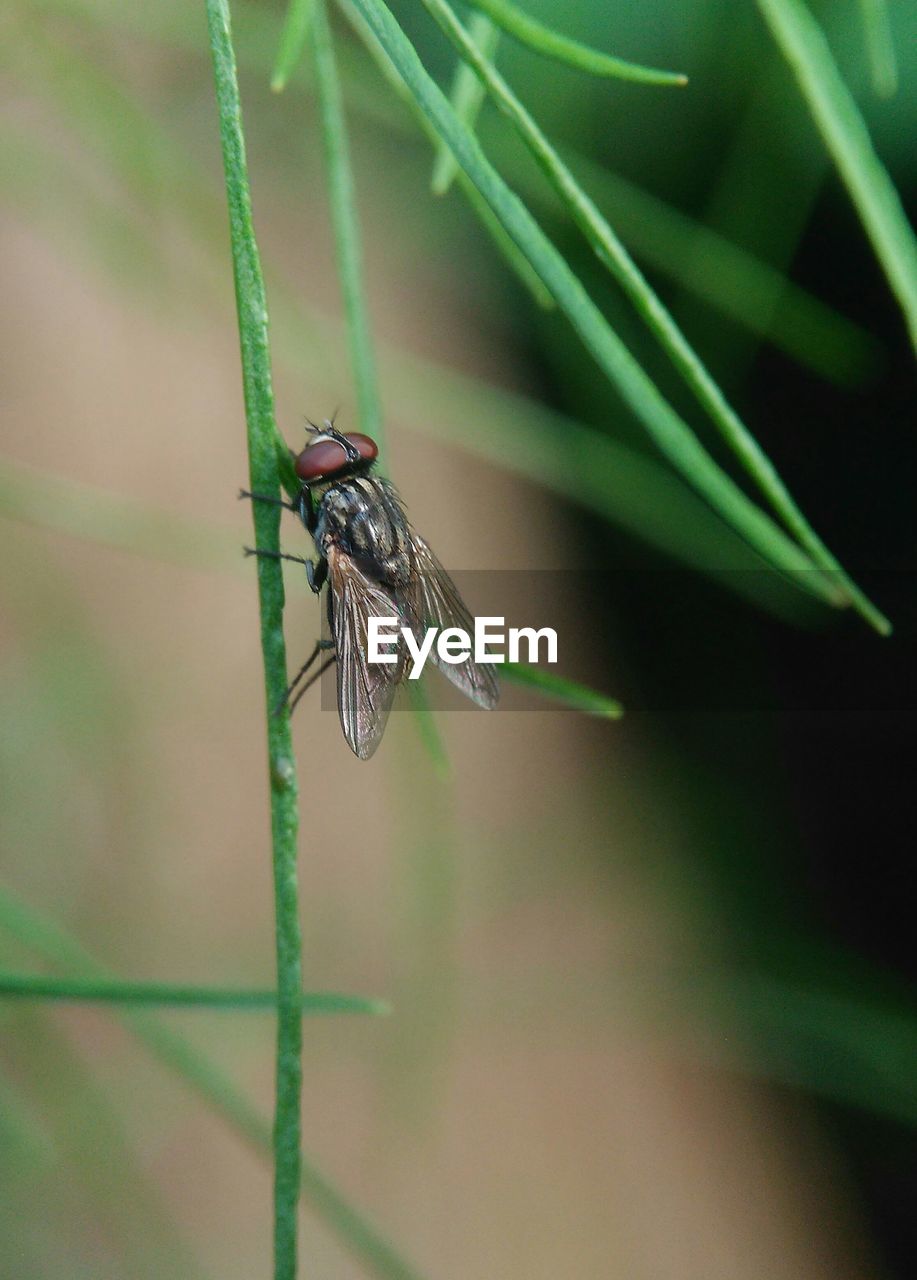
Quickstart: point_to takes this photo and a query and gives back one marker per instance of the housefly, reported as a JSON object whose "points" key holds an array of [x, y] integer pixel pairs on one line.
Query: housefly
{"points": [[375, 566]]}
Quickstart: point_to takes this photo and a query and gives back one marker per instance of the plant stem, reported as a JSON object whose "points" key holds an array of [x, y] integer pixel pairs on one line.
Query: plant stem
{"points": [[263, 475], [30, 986], [346, 227]]}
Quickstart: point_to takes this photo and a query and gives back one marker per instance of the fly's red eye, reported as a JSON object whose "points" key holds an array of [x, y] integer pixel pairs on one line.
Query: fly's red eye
{"points": [[324, 457]]}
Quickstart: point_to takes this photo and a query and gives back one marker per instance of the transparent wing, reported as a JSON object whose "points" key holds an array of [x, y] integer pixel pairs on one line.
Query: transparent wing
{"points": [[434, 601], [365, 689]]}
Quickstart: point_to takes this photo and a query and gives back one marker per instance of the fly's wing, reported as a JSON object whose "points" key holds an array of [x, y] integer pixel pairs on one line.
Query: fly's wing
{"points": [[434, 601], [365, 689]]}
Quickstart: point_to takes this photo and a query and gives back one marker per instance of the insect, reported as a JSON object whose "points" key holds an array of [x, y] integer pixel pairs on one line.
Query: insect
{"points": [[375, 565]]}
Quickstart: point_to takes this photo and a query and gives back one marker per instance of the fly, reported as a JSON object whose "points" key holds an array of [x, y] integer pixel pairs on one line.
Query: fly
{"points": [[375, 565]]}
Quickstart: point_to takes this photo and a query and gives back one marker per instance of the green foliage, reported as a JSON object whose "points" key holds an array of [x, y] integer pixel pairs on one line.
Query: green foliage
{"points": [[612, 253], [668, 431]]}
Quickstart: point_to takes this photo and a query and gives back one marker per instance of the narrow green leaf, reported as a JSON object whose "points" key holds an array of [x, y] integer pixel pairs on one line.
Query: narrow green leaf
{"points": [[467, 97], [346, 227], [251, 306], [578, 697], [671, 435], [292, 40], [880, 47], [612, 253], [552, 44], [169, 1047], [428, 729], [516, 261], [95, 991], [844, 132]]}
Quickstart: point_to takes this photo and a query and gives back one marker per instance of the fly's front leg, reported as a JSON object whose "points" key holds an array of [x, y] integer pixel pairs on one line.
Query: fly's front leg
{"points": [[271, 498]]}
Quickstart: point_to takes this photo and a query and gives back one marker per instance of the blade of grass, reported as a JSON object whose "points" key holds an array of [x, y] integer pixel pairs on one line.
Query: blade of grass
{"points": [[552, 44], [29, 986], [847, 139], [880, 47], [612, 253], [346, 226], [570, 693], [670, 434], [292, 41], [251, 305], [218, 1091], [467, 97]]}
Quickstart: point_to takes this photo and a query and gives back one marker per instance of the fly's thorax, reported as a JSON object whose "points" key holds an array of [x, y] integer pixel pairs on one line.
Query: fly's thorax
{"points": [[362, 515]]}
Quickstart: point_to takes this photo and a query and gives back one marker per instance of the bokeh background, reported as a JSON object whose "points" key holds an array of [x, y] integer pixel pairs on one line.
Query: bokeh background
{"points": [[652, 980]]}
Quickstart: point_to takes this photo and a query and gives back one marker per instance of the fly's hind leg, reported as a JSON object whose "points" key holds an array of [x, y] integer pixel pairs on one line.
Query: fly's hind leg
{"points": [[321, 646], [316, 675]]}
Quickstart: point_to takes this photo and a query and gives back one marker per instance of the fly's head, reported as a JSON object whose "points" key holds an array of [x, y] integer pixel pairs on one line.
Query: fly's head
{"points": [[331, 456]]}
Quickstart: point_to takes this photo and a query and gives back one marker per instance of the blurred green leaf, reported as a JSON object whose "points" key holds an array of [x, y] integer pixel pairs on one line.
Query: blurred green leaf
{"points": [[346, 228], [572, 694], [880, 47], [467, 97], [552, 44], [296, 26], [845, 135]]}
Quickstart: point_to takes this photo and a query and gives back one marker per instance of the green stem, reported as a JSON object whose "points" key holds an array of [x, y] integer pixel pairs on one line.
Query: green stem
{"points": [[612, 253], [29, 986], [251, 305], [346, 227]]}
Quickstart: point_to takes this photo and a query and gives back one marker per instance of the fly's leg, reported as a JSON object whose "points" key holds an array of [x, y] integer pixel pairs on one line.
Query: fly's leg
{"points": [[321, 646], [271, 498], [317, 675], [282, 555]]}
